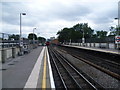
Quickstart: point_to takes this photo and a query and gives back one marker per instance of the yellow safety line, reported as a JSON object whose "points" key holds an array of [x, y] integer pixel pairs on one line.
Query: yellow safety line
{"points": [[44, 74]]}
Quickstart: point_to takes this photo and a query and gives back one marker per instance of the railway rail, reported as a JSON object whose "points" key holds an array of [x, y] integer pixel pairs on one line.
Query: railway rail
{"points": [[68, 76], [108, 66]]}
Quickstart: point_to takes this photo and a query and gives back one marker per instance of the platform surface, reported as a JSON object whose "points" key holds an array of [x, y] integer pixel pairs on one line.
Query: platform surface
{"points": [[29, 71]]}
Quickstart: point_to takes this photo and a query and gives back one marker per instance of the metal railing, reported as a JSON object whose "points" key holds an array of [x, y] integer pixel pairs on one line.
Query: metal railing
{"points": [[7, 42]]}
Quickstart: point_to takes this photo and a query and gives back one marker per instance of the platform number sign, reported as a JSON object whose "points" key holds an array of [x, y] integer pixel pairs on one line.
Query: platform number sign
{"points": [[117, 39]]}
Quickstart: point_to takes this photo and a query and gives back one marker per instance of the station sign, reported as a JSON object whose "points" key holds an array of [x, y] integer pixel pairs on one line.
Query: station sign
{"points": [[117, 39]]}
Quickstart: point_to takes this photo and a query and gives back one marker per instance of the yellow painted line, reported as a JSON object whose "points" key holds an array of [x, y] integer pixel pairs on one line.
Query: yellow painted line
{"points": [[33, 77], [44, 74]]}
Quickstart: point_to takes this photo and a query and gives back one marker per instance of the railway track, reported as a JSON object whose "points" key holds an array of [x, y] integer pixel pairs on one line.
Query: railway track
{"points": [[68, 76], [110, 67]]}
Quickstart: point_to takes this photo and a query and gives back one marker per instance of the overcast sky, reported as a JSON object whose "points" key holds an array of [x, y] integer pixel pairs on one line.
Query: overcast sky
{"points": [[50, 16]]}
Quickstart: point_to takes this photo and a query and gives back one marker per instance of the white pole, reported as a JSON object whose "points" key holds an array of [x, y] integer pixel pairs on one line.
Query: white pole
{"points": [[21, 30], [118, 22], [20, 36], [33, 35]]}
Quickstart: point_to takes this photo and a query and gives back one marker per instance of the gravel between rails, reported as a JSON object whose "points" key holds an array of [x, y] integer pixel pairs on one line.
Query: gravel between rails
{"points": [[99, 76]]}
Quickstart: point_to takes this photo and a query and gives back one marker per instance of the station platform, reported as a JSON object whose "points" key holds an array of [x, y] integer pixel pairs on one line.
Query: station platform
{"points": [[113, 51], [33, 70], [41, 75], [29, 71]]}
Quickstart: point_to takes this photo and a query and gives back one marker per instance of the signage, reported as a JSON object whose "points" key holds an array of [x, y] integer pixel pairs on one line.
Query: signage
{"points": [[117, 39]]}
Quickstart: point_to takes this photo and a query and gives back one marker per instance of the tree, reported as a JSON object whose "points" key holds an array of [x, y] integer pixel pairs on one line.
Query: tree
{"points": [[75, 33], [83, 27], [101, 34], [64, 35], [31, 35], [88, 32], [41, 39], [15, 37], [114, 31], [78, 27], [117, 31]]}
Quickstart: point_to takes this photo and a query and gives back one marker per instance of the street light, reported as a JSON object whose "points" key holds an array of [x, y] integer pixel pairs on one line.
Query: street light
{"points": [[118, 18], [21, 43], [21, 24], [118, 25], [117, 29], [33, 35]]}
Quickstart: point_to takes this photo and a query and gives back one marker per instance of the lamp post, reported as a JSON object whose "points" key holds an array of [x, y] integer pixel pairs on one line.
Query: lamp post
{"points": [[20, 43], [118, 18], [118, 25], [21, 23], [117, 34], [33, 35]]}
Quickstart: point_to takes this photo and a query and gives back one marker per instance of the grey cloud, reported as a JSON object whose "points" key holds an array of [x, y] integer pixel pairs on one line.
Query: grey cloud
{"points": [[69, 13], [10, 30], [104, 17], [53, 12], [101, 20], [11, 14]]}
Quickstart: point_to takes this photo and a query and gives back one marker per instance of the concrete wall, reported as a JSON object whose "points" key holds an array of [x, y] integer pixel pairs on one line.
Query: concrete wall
{"points": [[92, 44], [97, 45], [17, 50], [12, 52], [88, 45], [7, 53], [111, 45]]}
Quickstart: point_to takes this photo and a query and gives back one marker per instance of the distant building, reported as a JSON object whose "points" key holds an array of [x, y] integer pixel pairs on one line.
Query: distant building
{"points": [[52, 38], [55, 41]]}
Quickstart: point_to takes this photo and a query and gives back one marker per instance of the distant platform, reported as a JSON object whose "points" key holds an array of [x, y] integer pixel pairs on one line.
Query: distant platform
{"points": [[113, 51]]}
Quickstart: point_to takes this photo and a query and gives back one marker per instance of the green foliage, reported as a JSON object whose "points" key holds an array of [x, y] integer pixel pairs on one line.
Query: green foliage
{"points": [[75, 33], [118, 31], [63, 34], [114, 31], [13, 36], [31, 35], [41, 39], [101, 34]]}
